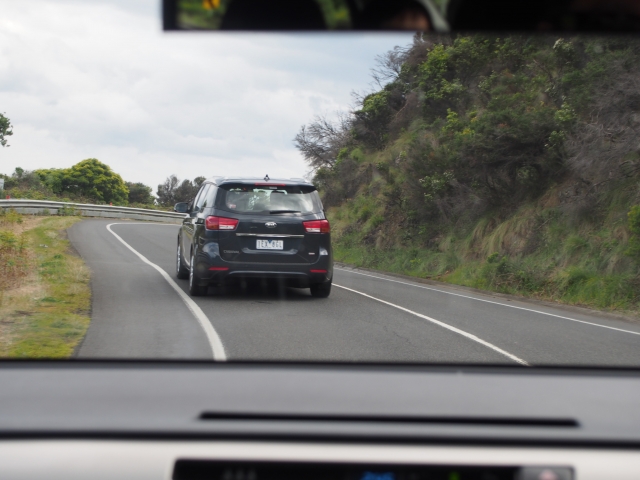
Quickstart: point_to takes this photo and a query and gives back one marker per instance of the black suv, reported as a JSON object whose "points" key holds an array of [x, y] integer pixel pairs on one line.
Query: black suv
{"points": [[250, 228]]}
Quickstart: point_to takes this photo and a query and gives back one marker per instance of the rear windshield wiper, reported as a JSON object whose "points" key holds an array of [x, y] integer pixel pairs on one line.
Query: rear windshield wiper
{"points": [[284, 211]]}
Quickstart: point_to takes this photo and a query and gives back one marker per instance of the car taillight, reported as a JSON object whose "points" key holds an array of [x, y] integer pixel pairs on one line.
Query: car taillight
{"points": [[317, 226], [220, 223]]}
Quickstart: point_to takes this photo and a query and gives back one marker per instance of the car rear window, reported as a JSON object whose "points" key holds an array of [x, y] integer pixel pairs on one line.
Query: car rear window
{"points": [[268, 199]]}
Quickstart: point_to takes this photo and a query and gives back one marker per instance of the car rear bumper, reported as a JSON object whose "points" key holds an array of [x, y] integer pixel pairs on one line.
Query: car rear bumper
{"points": [[212, 269]]}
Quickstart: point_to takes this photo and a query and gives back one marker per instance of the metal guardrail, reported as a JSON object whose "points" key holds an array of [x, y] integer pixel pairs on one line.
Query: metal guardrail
{"points": [[44, 207]]}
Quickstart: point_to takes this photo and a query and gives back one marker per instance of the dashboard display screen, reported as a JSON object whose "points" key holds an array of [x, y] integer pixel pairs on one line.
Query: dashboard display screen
{"points": [[217, 470]]}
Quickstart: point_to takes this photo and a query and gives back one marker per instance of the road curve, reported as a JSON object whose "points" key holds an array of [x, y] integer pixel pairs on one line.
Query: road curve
{"points": [[369, 317]]}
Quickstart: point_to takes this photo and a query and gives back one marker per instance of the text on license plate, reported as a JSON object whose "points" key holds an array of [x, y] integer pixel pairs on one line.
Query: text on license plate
{"points": [[270, 244]]}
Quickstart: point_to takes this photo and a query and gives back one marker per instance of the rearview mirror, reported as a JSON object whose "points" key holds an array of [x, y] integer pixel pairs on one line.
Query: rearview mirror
{"points": [[302, 15], [182, 207], [440, 16]]}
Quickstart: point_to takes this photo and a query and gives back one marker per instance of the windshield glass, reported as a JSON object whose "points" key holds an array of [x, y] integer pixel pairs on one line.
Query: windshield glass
{"points": [[340, 197]]}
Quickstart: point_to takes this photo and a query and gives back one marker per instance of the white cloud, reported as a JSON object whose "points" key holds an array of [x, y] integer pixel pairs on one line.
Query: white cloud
{"points": [[99, 79]]}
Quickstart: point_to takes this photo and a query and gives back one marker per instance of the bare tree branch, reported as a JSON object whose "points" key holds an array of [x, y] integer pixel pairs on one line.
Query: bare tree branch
{"points": [[389, 66], [321, 140]]}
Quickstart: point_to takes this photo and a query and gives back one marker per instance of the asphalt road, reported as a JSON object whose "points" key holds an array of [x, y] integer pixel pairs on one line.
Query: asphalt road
{"points": [[137, 313]]}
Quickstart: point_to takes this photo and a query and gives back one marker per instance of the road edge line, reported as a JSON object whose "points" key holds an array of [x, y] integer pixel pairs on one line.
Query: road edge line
{"points": [[490, 301], [215, 342], [470, 336]]}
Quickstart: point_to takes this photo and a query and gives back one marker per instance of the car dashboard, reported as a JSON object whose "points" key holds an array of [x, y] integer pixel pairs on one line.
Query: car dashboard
{"points": [[196, 420]]}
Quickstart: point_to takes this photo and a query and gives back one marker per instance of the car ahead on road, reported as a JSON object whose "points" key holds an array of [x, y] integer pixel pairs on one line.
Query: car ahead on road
{"points": [[239, 229]]}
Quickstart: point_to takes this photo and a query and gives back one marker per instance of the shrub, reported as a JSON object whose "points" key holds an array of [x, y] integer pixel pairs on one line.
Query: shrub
{"points": [[10, 217], [66, 211]]}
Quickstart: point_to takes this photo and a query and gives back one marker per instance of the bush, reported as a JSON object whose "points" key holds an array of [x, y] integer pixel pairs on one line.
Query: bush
{"points": [[89, 178], [66, 211], [10, 217]]}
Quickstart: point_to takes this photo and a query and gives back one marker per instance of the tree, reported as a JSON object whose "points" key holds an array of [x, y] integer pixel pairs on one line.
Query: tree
{"points": [[186, 191], [94, 179], [173, 191], [139, 193], [166, 191], [6, 130], [26, 184], [198, 181], [89, 178]]}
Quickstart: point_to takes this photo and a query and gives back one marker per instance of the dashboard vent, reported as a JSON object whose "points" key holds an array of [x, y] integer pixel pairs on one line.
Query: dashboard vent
{"points": [[405, 419]]}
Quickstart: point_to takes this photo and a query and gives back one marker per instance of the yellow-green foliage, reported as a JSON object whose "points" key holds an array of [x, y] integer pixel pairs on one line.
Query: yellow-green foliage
{"points": [[89, 178], [89, 181]]}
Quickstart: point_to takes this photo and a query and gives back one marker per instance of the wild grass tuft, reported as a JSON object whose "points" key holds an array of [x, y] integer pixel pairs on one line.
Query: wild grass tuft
{"points": [[14, 258], [48, 315]]}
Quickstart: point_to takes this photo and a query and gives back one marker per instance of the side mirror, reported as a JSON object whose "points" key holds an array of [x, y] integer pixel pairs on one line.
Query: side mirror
{"points": [[182, 207]]}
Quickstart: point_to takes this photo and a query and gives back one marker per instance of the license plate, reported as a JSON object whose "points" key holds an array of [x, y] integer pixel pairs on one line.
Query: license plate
{"points": [[270, 244]]}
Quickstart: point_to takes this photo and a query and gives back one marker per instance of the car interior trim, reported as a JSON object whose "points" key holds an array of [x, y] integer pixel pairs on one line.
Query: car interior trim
{"points": [[72, 459]]}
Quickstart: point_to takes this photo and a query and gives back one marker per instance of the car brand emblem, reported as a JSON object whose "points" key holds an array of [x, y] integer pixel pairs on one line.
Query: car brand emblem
{"points": [[271, 224]]}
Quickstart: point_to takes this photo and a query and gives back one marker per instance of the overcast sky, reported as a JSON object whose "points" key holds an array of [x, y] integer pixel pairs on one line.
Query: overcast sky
{"points": [[99, 79]]}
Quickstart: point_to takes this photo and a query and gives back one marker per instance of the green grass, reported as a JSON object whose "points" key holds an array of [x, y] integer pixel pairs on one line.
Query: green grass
{"points": [[531, 277], [49, 315], [536, 252]]}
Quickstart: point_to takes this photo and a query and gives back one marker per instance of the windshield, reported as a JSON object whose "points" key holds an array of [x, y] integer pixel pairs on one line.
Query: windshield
{"points": [[392, 197]]}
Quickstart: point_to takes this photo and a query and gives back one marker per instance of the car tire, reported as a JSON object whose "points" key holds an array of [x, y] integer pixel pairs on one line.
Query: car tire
{"points": [[182, 272], [195, 290], [320, 290]]}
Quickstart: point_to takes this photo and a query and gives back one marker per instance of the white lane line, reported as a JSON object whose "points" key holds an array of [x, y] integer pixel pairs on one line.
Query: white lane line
{"points": [[215, 342], [489, 301], [443, 325]]}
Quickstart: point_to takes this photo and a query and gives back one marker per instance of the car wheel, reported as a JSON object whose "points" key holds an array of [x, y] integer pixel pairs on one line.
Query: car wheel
{"points": [[321, 290], [195, 290], [182, 272]]}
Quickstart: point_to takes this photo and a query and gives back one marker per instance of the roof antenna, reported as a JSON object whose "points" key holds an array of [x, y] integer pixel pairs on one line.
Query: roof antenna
{"points": [[266, 178]]}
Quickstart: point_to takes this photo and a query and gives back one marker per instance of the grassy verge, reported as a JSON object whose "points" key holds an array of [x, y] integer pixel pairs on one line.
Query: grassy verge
{"points": [[45, 298], [528, 277], [539, 252]]}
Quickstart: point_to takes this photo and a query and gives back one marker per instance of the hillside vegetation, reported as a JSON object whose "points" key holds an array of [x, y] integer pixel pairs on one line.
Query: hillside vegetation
{"points": [[508, 164]]}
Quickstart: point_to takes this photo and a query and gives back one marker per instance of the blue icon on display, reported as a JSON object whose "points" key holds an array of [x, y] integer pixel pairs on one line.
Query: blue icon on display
{"points": [[378, 476]]}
